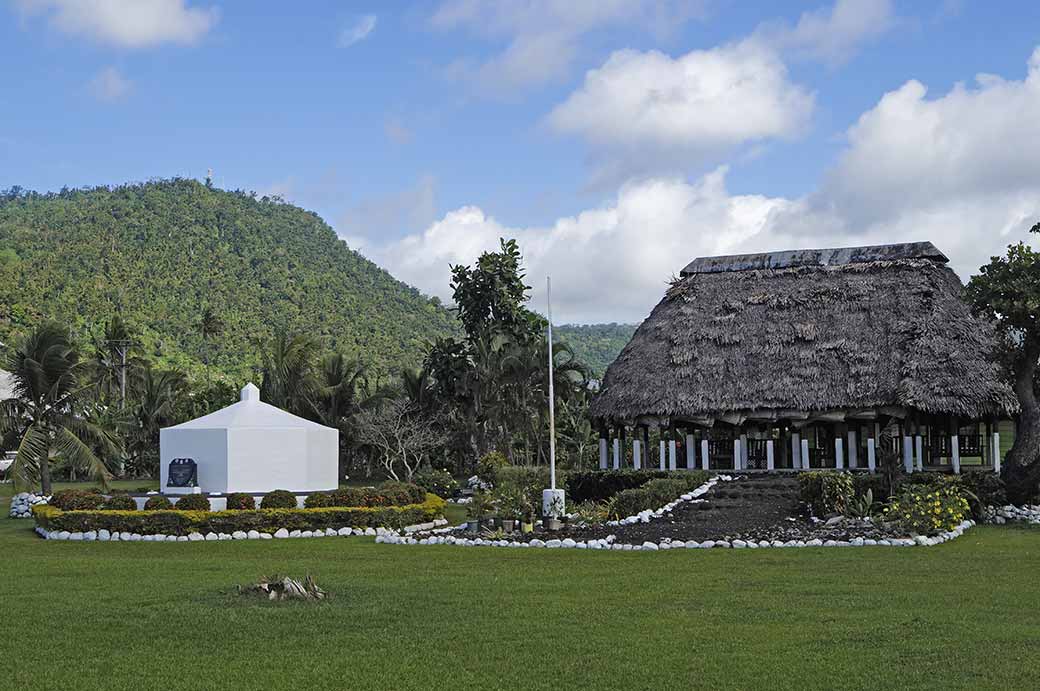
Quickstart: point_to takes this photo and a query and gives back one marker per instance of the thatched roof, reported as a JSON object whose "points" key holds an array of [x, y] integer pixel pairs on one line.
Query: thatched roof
{"points": [[787, 335]]}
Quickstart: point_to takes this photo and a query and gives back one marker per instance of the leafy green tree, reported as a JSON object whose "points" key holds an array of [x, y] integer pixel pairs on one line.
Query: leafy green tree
{"points": [[50, 384], [1007, 290], [158, 395]]}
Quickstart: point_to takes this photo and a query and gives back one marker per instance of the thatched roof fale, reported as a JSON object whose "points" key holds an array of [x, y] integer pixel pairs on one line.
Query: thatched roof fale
{"points": [[796, 333]]}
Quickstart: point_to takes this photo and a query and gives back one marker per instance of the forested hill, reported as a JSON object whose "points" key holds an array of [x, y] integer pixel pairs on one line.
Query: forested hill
{"points": [[596, 345], [161, 253]]}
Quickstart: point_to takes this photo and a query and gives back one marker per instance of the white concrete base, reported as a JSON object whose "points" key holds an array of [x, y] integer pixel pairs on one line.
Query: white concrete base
{"points": [[553, 503]]}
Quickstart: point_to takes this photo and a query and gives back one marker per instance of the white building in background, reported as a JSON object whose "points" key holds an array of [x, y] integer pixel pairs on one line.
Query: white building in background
{"points": [[250, 446]]}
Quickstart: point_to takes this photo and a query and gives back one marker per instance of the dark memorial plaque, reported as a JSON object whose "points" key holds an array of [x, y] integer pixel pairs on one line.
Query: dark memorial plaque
{"points": [[183, 473]]}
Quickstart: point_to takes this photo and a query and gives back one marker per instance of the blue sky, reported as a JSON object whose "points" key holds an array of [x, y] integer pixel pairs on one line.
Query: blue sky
{"points": [[616, 140]]}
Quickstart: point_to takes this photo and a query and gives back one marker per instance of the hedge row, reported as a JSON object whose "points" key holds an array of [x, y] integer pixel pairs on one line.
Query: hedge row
{"points": [[656, 493], [600, 485], [386, 494], [262, 520]]}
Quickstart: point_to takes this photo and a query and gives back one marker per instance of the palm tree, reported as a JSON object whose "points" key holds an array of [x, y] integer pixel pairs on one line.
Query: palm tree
{"points": [[159, 394], [46, 372], [288, 365]]}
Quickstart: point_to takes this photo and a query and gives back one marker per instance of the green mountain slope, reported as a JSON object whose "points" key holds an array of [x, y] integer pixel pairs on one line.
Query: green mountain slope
{"points": [[596, 345], [160, 253]]}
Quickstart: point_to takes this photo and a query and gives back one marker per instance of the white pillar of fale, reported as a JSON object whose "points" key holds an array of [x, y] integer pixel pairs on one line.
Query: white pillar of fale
{"points": [[737, 454], [853, 450], [602, 453], [661, 456], [805, 455], [955, 453], [996, 452], [919, 452], [871, 457], [839, 453], [796, 451], [908, 454], [691, 453], [637, 458], [617, 453], [769, 454], [671, 455], [743, 452], [704, 454]]}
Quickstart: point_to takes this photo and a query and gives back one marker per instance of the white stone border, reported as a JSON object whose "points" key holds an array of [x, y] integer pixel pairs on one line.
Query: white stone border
{"points": [[22, 503], [693, 496], [439, 537], [999, 515], [106, 536]]}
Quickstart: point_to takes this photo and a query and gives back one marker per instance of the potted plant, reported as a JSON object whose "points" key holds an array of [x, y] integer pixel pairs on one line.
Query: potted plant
{"points": [[479, 506], [551, 520], [527, 510], [510, 505]]}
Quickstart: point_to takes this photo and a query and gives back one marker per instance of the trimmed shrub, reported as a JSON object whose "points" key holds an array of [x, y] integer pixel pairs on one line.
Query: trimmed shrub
{"points": [[240, 501], [600, 485], [348, 496], [158, 503], [77, 500], [398, 494], [169, 522], [655, 493], [279, 499], [987, 489], [924, 510], [318, 500], [120, 502], [825, 491], [192, 502], [436, 481]]}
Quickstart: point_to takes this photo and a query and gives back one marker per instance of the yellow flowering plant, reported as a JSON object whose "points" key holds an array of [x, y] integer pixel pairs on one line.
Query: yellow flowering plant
{"points": [[927, 510]]}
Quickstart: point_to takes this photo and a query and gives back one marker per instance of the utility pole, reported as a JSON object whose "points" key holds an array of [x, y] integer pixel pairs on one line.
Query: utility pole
{"points": [[122, 346], [552, 498]]}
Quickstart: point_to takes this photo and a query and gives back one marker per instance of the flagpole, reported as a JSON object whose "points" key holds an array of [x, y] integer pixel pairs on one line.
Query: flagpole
{"points": [[552, 394]]}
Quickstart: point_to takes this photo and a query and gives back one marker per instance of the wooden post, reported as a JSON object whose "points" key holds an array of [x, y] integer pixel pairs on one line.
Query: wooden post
{"points": [[602, 449], [806, 464], [853, 450], [871, 459], [704, 454], [636, 452], [796, 451], [908, 452], [662, 454], [955, 453], [919, 449], [691, 452], [743, 452], [617, 451], [737, 454], [624, 446], [839, 452], [769, 454]]}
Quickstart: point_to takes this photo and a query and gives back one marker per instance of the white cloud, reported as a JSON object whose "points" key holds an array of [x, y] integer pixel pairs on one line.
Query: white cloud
{"points": [[358, 31], [832, 35], [110, 85], [646, 107], [544, 36], [126, 23], [958, 170]]}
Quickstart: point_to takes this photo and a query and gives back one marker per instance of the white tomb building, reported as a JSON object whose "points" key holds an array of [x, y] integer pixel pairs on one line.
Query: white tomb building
{"points": [[250, 446]]}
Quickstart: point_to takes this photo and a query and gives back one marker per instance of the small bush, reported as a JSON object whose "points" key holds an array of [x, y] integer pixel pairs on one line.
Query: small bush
{"points": [[77, 500], [192, 502], [924, 510], [318, 500], [348, 496], [399, 493], [157, 503], [279, 499], [826, 491], [439, 482], [120, 502], [489, 465], [987, 489], [240, 501]]}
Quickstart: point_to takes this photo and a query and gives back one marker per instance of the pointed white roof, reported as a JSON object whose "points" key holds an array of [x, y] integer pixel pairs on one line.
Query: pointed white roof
{"points": [[250, 412]]}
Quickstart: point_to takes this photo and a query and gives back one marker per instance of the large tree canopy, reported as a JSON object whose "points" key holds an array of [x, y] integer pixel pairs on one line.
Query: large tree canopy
{"points": [[1007, 290]]}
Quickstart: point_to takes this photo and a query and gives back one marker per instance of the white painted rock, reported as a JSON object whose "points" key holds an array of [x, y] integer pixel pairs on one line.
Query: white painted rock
{"points": [[212, 537], [253, 535], [652, 546], [281, 533]]}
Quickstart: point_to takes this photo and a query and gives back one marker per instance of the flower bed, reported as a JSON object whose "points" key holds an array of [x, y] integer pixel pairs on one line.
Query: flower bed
{"points": [[270, 521]]}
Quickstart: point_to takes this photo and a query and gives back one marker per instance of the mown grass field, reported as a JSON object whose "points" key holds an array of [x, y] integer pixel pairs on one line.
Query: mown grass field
{"points": [[143, 615]]}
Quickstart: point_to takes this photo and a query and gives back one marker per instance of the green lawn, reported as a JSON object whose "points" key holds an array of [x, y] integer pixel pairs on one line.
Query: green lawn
{"points": [[142, 615]]}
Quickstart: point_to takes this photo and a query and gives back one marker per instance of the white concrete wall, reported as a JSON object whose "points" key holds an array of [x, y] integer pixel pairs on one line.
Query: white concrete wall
{"points": [[208, 447], [322, 459], [261, 460]]}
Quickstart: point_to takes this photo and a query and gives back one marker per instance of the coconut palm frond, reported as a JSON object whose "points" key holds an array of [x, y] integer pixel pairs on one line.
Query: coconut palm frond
{"points": [[32, 450], [81, 455]]}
